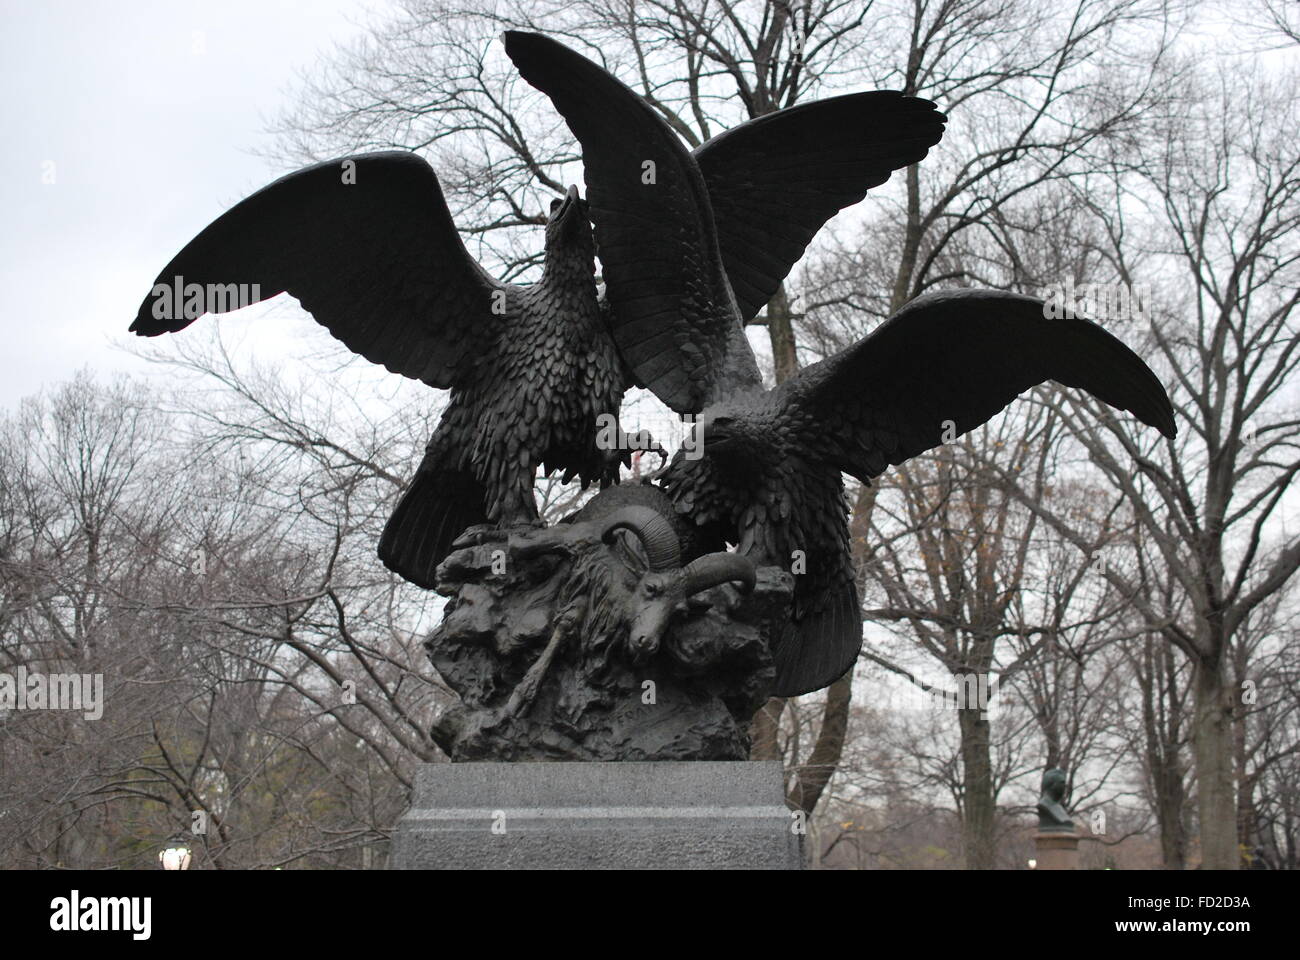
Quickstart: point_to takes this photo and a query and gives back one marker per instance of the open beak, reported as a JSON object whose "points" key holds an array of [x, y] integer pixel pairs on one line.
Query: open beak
{"points": [[570, 200]]}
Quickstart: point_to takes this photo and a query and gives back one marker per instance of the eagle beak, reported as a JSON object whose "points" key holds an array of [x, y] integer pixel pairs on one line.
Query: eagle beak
{"points": [[568, 203]]}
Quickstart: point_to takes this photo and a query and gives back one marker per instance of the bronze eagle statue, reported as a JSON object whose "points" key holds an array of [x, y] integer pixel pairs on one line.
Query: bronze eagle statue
{"points": [[692, 256], [367, 245], [692, 244]]}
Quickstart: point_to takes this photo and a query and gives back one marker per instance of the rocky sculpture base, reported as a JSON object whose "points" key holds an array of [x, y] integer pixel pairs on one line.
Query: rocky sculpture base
{"points": [[664, 815], [606, 637]]}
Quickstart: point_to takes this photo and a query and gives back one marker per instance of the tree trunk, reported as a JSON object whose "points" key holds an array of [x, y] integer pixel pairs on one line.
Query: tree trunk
{"points": [[763, 729], [1157, 676], [811, 778], [978, 807], [907, 261], [780, 330], [1217, 801], [1247, 815], [1170, 806]]}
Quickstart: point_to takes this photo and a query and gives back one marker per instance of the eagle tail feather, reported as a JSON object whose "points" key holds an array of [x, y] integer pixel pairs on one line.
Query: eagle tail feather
{"points": [[820, 647], [437, 507]]}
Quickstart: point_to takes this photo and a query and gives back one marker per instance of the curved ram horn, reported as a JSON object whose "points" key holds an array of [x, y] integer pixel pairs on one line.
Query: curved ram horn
{"points": [[653, 530], [713, 569]]}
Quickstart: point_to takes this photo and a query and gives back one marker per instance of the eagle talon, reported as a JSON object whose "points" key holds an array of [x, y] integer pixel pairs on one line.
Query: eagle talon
{"points": [[665, 462], [478, 535], [631, 457], [541, 540]]}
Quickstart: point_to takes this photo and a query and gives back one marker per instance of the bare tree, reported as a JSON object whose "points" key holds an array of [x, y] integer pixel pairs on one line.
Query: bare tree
{"points": [[262, 679], [1224, 191]]}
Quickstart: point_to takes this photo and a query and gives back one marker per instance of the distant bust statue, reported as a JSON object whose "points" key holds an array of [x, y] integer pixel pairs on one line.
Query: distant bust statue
{"points": [[1051, 812]]}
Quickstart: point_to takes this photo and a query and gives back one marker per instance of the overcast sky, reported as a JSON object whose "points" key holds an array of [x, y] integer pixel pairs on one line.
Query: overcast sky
{"points": [[145, 114]]}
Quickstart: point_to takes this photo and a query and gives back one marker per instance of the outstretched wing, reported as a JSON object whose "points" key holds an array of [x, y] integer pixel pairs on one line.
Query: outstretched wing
{"points": [[674, 318], [776, 180], [946, 363], [940, 367], [367, 246]]}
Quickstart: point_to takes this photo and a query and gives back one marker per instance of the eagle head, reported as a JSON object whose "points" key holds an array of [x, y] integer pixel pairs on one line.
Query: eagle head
{"points": [[568, 231]]}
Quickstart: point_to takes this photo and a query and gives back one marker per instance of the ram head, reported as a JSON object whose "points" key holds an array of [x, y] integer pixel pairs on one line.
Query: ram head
{"points": [[665, 588]]}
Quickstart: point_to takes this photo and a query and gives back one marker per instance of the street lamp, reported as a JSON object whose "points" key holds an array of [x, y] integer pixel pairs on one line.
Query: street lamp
{"points": [[176, 855], [1033, 864]]}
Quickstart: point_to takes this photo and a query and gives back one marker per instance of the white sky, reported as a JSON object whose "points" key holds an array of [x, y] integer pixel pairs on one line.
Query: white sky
{"points": [[149, 112]]}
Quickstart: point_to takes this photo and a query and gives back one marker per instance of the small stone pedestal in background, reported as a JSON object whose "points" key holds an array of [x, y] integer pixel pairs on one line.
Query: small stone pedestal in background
{"points": [[1057, 850], [620, 815]]}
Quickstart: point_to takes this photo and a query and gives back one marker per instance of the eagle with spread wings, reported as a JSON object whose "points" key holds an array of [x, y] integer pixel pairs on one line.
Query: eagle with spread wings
{"points": [[693, 253], [369, 248], [692, 244]]}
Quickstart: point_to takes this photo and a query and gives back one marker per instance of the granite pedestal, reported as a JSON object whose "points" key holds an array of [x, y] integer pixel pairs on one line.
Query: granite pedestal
{"points": [[664, 815], [1057, 850]]}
